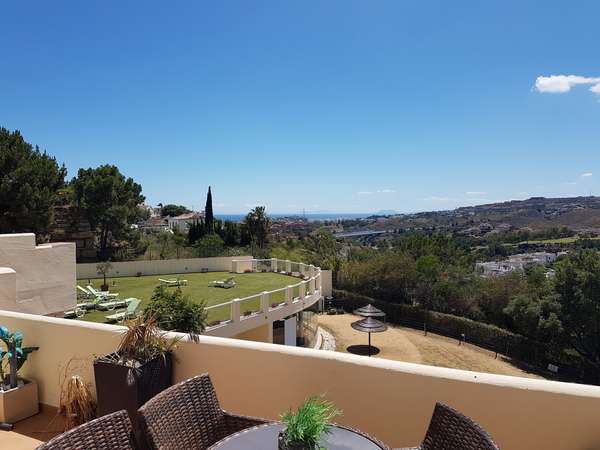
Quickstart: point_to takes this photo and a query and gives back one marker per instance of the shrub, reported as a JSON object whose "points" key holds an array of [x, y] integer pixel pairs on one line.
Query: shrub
{"points": [[175, 311], [481, 334]]}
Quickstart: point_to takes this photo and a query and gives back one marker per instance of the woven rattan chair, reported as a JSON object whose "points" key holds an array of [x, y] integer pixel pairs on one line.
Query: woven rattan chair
{"points": [[188, 416], [450, 429], [110, 432]]}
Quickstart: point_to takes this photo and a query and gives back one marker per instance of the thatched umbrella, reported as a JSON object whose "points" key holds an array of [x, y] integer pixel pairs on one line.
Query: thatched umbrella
{"points": [[369, 325], [369, 311]]}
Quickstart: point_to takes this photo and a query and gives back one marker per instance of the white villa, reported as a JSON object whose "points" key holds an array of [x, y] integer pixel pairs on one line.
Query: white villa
{"points": [[182, 221], [515, 263]]}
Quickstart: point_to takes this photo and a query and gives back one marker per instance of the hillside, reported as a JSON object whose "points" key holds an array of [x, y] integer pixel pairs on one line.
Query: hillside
{"points": [[537, 213]]}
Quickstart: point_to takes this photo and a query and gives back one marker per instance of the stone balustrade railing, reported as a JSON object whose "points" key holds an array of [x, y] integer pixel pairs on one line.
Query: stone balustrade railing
{"points": [[232, 317]]}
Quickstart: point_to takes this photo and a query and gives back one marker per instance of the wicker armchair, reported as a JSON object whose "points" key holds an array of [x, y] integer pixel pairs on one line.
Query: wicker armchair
{"points": [[110, 432], [188, 416], [450, 429]]}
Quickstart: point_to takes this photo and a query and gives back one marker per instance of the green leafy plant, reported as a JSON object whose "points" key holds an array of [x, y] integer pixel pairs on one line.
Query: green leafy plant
{"points": [[103, 269], [175, 311], [15, 354], [142, 341], [309, 422]]}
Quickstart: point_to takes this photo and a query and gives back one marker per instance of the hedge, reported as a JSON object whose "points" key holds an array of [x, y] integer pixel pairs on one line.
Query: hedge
{"points": [[481, 334]]}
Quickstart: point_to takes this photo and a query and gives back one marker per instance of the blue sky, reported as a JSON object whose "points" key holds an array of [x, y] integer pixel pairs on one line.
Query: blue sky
{"points": [[347, 106]]}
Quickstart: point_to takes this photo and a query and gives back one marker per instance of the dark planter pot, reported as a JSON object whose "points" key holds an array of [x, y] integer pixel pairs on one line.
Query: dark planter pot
{"points": [[281, 445], [119, 387]]}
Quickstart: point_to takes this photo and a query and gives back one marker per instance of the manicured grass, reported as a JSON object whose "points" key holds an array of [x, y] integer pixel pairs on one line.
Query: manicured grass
{"points": [[247, 284]]}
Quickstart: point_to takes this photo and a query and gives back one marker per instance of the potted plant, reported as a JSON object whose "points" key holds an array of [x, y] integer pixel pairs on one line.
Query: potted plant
{"points": [[18, 397], [139, 369], [305, 427], [102, 269]]}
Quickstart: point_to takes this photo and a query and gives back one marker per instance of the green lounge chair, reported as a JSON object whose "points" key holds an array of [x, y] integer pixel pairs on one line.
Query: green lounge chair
{"points": [[129, 313], [87, 305], [225, 284], [101, 294], [176, 282], [115, 304], [84, 293], [74, 313]]}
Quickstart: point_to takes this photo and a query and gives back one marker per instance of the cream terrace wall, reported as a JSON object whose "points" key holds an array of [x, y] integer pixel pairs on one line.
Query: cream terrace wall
{"points": [[160, 266], [36, 279], [326, 283], [389, 399]]}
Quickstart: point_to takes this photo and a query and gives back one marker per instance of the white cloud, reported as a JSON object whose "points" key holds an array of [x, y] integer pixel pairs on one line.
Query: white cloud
{"points": [[587, 174], [387, 191], [560, 84], [475, 193], [364, 192], [568, 183]]}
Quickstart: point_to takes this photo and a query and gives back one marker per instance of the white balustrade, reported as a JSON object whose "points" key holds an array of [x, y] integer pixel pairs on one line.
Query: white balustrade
{"points": [[235, 310], [244, 308], [264, 302]]}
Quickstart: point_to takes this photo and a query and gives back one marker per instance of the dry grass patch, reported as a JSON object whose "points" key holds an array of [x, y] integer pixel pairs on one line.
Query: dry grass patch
{"points": [[408, 345]]}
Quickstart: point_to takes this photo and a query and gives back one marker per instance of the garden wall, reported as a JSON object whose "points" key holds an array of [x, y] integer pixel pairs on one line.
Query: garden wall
{"points": [[161, 267]]}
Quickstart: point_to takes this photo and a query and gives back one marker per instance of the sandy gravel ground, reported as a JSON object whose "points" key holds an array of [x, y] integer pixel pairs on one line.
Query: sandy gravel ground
{"points": [[405, 344]]}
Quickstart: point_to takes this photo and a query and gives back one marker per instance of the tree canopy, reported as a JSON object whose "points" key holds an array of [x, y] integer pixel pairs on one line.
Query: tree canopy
{"points": [[109, 201], [29, 183], [209, 246], [257, 224], [173, 210], [208, 212]]}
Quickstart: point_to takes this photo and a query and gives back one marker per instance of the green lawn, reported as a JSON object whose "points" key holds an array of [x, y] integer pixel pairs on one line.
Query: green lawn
{"points": [[247, 284]]}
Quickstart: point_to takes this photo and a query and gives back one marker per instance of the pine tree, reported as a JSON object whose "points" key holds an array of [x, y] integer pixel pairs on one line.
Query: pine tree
{"points": [[208, 212]]}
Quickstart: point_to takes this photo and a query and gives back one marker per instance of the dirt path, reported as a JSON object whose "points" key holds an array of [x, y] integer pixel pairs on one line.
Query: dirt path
{"points": [[405, 344]]}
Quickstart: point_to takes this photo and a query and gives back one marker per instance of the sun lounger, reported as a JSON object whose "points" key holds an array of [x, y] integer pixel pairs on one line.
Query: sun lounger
{"points": [[129, 313], [172, 282], [114, 304], [101, 294], [72, 314], [225, 284], [87, 305], [84, 293]]}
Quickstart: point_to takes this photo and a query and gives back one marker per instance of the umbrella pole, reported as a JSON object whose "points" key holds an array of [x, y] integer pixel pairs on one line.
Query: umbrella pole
{"points": [[369, 345]]}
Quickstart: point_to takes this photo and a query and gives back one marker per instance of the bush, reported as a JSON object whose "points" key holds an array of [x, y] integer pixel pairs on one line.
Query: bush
{"points": [[175, 311], [210, 246]]}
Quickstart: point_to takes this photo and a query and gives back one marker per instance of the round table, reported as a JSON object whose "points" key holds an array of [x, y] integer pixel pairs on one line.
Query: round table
{"points": [[264, 437]]}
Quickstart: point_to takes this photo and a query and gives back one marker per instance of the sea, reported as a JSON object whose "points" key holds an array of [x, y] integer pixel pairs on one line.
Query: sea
{"points": [[311, 217]]}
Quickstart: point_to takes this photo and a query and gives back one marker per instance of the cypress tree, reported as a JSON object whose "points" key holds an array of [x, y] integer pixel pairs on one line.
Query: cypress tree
{"points": [[208, 212]]}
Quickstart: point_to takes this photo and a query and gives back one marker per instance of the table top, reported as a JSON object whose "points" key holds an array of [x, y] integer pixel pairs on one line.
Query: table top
{"points": [[264, 437]]}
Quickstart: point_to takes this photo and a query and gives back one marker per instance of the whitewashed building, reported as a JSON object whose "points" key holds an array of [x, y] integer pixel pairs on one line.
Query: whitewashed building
{"points": [[181, 222]]}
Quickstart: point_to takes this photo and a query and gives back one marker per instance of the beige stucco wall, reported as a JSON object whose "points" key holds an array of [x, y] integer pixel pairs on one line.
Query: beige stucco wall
{"points": [[326, 283], [161, 266], [36, 279], [263, 333], [389, 399]]}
